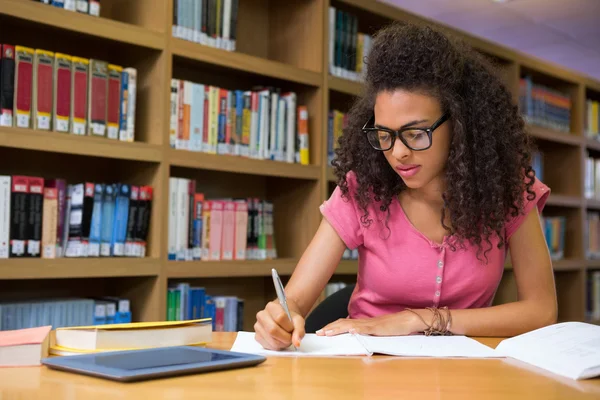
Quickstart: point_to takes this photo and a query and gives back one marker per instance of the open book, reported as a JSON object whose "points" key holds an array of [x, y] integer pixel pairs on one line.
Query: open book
{"points": [[570, 349], [360, 345]]}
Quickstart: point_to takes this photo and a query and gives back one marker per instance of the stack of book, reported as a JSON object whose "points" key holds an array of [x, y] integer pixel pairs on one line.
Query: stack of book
{"points": [[192, 302], [262, 123], [336, 123], [544, 106], [91, 7], [208, 22], [592, 118], [49, 218], [64, 312], [218, 229], [57, 92], [348, 48]]}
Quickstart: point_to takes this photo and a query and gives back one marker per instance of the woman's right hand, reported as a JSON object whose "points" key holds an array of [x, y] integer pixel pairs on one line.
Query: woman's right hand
{"points": [[274, 330]]}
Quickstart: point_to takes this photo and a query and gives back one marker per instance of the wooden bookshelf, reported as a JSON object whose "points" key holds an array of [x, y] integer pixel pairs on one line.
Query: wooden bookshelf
{"points": [[279, 43]]}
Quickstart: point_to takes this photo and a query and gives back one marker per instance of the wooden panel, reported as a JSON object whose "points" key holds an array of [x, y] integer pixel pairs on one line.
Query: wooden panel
{"points": [[249, 64], [296, 33], [63, 20], [550, 135], [344, 86], [562, 168], [28, 139], [570, 290], [560, 200], [38, 268], [228, 269], [241, 165], [253, 28], [149, 14]]}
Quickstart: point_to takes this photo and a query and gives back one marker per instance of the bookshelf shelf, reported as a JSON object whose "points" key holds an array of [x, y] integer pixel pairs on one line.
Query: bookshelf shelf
{"points": [[551, 135], [345, 86], [593, 263], [592, 144], [592, 204], [559, 200], [243, 62], [242, 165], [46, 141], [40, 268], [104, 28], [330, 175], [227, 269]]}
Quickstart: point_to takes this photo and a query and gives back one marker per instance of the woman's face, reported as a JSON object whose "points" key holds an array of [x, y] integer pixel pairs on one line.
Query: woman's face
{"points": [[399, 109]]}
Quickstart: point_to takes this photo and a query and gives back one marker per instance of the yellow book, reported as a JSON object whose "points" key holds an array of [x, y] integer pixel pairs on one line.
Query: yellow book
{"points": [[594, 128], [135, 335]]}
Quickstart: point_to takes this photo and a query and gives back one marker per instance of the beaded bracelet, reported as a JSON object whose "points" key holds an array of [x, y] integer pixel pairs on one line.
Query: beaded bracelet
{"points": [[440, 326]]}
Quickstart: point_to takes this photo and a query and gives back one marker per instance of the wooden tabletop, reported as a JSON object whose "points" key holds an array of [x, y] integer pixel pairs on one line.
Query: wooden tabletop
{"points": [[377, 377]]}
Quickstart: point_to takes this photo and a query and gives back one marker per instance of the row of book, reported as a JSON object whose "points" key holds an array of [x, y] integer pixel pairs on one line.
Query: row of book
{"points": [[592, 235], [49, 218], [592, 118], [348, 48], [593, 296], [592, 178], [336, 122], [57, 92], [350, 254], [91, 7], [64, 312], [217, 229], [544, 106], [186, 302], [208, 22], [554, 232], [262, 123]]}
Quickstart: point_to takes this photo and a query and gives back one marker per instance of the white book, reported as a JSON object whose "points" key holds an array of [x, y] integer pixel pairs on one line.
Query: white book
{"points": [[225, 40], [5, 191], [70, 5], [254, 123], [272, 149], [263, 139], [173, 206], [570, 349], [290, 141], [174, 117], [360, 345], [131, 92], [332, 40], [183, 210], [197, 117]]}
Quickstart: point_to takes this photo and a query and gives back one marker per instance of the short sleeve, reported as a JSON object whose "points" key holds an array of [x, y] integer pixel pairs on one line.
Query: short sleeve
{"points": [[541, 196], [343, 214]]}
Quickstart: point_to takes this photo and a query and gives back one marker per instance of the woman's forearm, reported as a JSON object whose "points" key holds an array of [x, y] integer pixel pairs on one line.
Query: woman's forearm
{"points": [[502, 320]]}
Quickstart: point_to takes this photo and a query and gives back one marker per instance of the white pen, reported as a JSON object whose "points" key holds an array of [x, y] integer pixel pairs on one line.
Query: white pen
{"points": [[281, 296]]}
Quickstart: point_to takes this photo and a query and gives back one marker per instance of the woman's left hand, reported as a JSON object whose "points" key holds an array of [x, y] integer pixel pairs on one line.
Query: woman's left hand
{"points": [[398, 324]]}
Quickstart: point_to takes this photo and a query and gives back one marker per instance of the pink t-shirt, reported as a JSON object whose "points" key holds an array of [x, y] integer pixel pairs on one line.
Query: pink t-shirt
{"points": [[401, 268]]}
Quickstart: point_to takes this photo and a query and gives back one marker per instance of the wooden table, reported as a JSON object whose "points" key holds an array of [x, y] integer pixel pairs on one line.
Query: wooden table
{"points": [[377, 377]]}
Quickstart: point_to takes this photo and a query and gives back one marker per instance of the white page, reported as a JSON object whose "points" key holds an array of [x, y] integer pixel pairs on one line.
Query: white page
{"points": [[428, 346], [311, 345], [571, 349]]}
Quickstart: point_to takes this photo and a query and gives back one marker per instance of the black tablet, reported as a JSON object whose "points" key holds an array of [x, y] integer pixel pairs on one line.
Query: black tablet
{"points": [[136, 365]]}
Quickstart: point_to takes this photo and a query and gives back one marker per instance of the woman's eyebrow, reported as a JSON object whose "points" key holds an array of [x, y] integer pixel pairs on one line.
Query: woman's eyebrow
{"points": [[411, 123]]}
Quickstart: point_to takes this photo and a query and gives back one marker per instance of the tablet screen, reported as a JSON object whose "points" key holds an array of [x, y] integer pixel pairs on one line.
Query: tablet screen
{"points": [[154, 359]]}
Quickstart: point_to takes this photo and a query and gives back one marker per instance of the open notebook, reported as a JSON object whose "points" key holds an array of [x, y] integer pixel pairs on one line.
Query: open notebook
{"points": [[359, 345]]}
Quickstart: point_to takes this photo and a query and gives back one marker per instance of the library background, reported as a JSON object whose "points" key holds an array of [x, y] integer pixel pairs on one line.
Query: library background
{"points": [[159, 157]]}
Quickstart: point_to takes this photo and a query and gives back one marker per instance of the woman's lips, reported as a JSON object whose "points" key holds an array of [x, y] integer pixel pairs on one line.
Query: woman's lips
{"points": [[406, 171]]}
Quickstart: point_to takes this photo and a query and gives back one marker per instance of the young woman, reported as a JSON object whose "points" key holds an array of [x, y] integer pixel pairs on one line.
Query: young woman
{"points": [[434, 187]]}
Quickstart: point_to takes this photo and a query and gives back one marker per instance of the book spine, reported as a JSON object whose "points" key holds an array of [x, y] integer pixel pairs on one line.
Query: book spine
{"points": [[240, 230], [234, 20], [120, 220], [197, 244], [79, 96], [62, 92], [124, 106], [182, 217], [34, 217], [303, 143], [206, 216], [7, 84], [190, 220], [108, 212], [5, 194], [61, 226], [96, 222], [214, 122], [174, 125], [143, 225], [132, 220], [49, 222], [94, 7], [43, 90], [23, 86], [113, 116], [131, 103], [97, 89], [172, 243], [70, 5], [187, 106], [19, 203], [216, 230], [180, 106], [197, 117], [222, 122], [228, 237]]}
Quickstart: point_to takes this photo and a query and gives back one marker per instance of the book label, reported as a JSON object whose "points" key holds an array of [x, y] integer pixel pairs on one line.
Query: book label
{"points": [[94, 250], [79, 128], [62, 125], [43, 122], [22, 120], [105, 249], [6, 118], [95, 8], [18, 247], [113, 132], [82, 6]]}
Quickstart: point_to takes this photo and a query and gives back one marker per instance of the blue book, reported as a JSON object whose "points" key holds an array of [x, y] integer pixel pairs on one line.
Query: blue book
{"points": [[96, 225], [124, 106], [58, 3], [108, 211], [121, 212], [197, 117]]}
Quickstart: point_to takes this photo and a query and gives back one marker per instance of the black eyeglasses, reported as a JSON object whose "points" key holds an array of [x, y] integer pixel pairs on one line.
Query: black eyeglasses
{"points": [[416, 139]]}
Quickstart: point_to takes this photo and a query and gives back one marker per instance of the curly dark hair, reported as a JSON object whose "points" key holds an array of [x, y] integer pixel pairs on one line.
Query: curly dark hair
{"points": [[489, 163]]}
